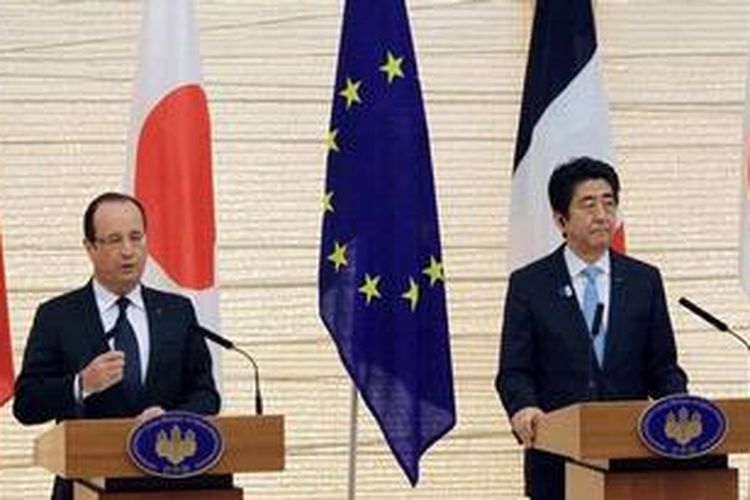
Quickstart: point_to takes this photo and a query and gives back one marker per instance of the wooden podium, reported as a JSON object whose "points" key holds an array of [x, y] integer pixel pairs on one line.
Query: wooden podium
{"points": [[609, 462], [93, 452]]}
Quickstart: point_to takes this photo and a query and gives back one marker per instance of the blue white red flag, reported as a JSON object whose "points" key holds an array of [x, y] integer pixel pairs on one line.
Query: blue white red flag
{"points": [[564, 114]]}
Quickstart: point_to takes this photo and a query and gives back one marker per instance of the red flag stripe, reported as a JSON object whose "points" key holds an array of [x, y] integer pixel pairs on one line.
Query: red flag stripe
{"points": [[618, 239], [6, 352]]}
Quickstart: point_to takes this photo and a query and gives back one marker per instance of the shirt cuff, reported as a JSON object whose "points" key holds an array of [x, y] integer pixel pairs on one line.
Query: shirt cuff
{"points": [[78, 393]]}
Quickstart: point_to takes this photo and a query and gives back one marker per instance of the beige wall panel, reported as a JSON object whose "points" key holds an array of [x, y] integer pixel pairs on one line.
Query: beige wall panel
{"points": [[675, 75]]}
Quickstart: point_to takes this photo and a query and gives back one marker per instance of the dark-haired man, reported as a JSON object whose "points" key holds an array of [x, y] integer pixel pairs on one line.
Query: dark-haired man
{"points": [[113, 348], [554, 351]]}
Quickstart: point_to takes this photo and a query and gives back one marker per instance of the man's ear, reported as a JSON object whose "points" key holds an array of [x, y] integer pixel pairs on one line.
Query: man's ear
{"points": [[88, 246], [560, 221]]}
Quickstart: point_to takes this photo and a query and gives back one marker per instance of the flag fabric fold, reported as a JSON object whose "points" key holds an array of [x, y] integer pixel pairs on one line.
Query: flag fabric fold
{"points": [[169, 167], [381, 280], [6, 350], [564, 114]]}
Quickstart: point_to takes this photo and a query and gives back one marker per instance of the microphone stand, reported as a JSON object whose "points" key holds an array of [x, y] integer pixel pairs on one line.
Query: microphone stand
{"points": [[258, 400], [739, 338], [712, 320], [596, 325], [229, 345]]}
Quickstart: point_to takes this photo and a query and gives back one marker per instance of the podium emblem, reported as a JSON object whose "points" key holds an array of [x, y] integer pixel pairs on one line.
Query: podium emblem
{"points": [[175, 445], [682, 426]]}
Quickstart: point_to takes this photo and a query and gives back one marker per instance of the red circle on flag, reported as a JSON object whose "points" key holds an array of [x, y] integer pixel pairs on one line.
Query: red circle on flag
{"points": [[173, 180]]}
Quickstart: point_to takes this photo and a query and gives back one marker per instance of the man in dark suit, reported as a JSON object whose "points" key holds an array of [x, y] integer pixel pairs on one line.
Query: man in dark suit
{"points": [[113, 348], [554, 350]]}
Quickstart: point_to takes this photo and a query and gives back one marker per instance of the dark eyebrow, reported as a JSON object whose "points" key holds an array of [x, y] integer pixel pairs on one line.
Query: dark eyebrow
{"points": [[594, 196]]}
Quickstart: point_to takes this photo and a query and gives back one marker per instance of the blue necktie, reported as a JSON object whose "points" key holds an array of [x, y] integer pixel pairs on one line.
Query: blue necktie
{"points": [[590, 301], [126, 342]]}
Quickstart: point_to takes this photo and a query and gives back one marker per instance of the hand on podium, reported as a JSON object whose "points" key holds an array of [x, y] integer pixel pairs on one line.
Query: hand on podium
{"points": [[149, 413], [524, 423]]}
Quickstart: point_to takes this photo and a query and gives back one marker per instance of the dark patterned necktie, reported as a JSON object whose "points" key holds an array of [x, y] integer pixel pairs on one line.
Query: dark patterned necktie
{"points": [[126, 342]]}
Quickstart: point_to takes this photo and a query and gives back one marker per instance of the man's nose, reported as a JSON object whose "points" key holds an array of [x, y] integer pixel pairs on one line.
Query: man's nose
{"points": [[601, 211], [127, 247]]}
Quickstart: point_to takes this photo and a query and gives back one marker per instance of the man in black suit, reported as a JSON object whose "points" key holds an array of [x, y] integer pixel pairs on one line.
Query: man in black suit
{"points": [[554, 351], [113, 348]]}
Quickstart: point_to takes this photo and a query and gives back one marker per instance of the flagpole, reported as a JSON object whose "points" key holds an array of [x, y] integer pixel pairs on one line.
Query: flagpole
{"points": [[353, 411], [352, 486]]}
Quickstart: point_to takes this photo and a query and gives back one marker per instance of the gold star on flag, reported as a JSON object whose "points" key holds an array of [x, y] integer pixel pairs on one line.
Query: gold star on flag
{"points": [[434, 271], [351, 92], [327, 204], [392, 67], [338, 256], [330, 140], [412, 294], [370, 288]]}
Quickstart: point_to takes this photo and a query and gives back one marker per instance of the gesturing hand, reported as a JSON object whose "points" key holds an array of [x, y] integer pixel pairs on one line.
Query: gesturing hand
{"points": [[103, 372]]}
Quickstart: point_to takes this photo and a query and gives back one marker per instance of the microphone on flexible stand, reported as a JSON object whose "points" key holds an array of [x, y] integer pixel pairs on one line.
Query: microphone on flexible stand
{"points": [[229, 345], [596, 324], [712, 320], [108, 336]]}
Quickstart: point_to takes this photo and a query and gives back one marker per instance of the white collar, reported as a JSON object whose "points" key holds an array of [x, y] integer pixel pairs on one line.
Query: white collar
{"points": [[105, 299], [576, 264]]}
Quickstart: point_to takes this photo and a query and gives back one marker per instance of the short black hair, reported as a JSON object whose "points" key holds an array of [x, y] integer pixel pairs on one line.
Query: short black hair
{"points": [[111, 196], [567, 176]]}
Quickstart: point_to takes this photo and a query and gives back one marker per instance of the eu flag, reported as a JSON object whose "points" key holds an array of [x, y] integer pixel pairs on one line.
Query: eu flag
{"points": [[381, 279]]}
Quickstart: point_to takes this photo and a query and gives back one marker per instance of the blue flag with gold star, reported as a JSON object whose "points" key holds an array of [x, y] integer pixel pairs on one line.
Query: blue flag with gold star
{"points": [[382, 287]]}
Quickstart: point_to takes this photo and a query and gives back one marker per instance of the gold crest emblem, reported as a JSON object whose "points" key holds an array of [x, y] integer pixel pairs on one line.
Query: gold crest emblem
{"points": [[175, 448], [683, 427]]}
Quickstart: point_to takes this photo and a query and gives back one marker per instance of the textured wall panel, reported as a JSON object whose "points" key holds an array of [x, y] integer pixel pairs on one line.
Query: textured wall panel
{"points": [[675, 74]]}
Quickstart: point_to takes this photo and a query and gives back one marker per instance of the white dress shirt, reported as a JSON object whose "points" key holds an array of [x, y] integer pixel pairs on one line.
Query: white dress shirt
{"points": [[575, 267], [106, 303]]}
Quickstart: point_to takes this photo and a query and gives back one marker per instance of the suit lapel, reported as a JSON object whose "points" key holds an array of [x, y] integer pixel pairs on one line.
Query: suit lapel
{"points": [[111, 402], [155, 317], [93, 331], [564, 289], [617, 299]]}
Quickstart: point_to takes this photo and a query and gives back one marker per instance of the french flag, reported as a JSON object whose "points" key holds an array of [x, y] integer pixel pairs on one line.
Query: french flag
{"points": [[564, 114], [169, 167]]}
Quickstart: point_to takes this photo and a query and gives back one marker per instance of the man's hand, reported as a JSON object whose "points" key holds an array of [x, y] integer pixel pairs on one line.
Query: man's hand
{"points": [[103, 372], [149, 413], [524, 423]]}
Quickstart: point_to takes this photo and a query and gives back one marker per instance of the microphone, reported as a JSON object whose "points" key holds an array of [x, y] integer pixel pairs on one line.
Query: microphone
{"points": [[711, 319], [229, 345], [109, 335], [596, 324], [705, 315]]}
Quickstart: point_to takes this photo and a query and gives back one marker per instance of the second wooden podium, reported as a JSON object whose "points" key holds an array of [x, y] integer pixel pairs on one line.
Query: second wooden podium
{"points": [[609, 462], [93, 452]]}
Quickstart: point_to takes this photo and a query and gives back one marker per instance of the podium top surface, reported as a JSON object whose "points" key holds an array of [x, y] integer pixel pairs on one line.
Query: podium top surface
{"points": [[98, 448], [609, 430]]}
